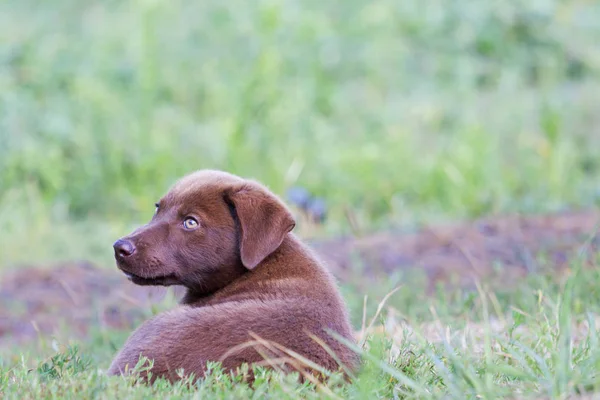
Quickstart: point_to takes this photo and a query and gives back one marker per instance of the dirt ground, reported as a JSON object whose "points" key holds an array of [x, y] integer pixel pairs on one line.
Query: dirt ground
{"points": [[504, 248], [36, 300]]}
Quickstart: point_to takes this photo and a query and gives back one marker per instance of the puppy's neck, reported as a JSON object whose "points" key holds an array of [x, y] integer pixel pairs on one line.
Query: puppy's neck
{"points": [[291, 262]]}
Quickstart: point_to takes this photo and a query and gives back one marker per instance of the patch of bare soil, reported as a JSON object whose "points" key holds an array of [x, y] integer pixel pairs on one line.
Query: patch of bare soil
{"points": [[514, 245], [36, 301]]}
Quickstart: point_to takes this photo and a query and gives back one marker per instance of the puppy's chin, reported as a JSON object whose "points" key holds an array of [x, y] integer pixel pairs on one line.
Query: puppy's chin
{"points": [[167, 280], [144, 280]]}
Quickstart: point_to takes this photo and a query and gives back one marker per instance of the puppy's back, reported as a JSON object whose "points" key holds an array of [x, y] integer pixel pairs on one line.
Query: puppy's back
{"points": [[281, 333]]}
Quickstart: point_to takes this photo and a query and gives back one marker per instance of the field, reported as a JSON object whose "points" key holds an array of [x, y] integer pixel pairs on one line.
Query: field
{"points": [[454, 143]]}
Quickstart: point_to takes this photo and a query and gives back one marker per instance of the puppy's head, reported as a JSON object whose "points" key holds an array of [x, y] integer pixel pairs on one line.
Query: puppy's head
{"points": [[209, 229]]}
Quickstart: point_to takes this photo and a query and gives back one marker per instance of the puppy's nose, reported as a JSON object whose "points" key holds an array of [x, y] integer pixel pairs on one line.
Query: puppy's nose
{"points": [[123, 248]]}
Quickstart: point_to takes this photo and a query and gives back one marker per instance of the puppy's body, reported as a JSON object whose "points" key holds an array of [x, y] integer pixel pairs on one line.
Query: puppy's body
{"points": [[248, 279]]}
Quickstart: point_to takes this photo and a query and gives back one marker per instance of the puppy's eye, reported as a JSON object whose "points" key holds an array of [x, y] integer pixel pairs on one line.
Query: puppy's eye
{"points": [[190, 223], [157, 207]]}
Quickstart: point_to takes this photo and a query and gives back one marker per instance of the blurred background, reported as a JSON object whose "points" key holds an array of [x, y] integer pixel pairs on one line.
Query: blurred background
{"points": [[393, 118], [397, 112]]}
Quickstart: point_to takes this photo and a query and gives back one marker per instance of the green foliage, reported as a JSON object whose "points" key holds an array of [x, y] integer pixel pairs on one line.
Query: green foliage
{"points": [[68, 362], [460, 109]]}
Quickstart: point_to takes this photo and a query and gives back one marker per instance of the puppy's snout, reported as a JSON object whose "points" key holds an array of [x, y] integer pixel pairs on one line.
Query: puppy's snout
{"points": [[123, 248]]}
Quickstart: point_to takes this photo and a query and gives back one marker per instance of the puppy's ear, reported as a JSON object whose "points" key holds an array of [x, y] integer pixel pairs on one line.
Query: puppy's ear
{"points": [[264, 222]]}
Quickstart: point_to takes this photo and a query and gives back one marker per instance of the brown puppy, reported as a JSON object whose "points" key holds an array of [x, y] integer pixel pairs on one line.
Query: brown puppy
{"points": [[228, 241]]}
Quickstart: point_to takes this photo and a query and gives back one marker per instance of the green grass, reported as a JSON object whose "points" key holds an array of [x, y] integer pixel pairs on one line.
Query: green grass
{"points": [[398, 111], [539, 340]]}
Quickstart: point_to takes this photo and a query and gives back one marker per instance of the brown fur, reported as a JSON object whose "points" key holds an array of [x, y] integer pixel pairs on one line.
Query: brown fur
{"points": [[246, 275]]}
